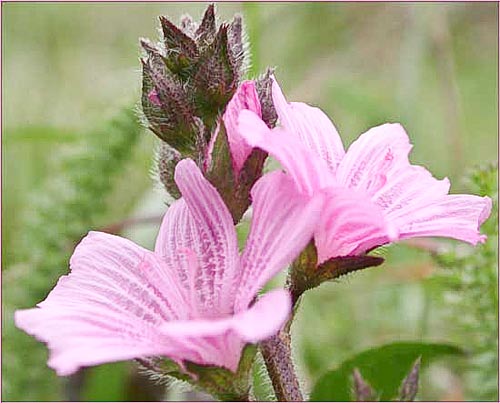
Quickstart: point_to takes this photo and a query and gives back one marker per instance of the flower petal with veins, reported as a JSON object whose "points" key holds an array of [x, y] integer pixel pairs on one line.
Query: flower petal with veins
{"points": [[121, 301], [282, 225], [313, 128], [373, 194]]}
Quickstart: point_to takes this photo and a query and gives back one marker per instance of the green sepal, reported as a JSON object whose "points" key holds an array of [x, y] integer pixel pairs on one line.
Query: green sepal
{"points": [[221, 383], [214, 78], [305, 273]]}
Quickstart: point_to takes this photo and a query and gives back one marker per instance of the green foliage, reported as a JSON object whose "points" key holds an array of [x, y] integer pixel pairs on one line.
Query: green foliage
{"points": [[26, 147], [105, 383], [382, 367], [80, 194], [470, 277]]}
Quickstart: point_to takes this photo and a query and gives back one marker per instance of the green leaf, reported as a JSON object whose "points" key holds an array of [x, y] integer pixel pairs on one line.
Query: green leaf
{"points": [[382, 367]]}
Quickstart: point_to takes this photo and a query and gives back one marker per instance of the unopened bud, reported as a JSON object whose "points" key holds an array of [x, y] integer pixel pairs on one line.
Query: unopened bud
{"points": [[181, 50], [264, 89], [188, 80], [166, 106], [362, 390], [409, 386], [214, 78], [205, 34]]}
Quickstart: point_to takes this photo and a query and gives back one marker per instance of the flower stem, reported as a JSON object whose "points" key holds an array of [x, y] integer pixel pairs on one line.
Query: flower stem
{"points": [[278, 359]]}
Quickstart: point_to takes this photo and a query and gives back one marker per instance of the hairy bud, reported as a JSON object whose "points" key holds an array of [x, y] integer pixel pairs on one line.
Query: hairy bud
{"points": [[205, 34], [188, 79], [166, 106], [264, 89], [214, 78]]}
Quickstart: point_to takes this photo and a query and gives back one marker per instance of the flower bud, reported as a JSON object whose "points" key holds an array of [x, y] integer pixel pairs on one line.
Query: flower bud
{"points": [[362, 390], [409, 386], [188, 79]]}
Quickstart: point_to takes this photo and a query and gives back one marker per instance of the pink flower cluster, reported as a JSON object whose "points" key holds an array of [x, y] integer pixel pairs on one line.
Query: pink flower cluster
{"points": [[194, 298]]}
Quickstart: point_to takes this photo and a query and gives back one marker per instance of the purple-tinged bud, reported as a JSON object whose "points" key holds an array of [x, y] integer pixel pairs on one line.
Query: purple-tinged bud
{"points": [[188, 80], [214, 77], [206, 32], [409, 386], [181, 50], [362, 390], [166, 106], [236, 46], [263, 86]]}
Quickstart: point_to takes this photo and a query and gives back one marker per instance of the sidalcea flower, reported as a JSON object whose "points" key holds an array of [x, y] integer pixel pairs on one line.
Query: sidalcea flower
{"points": [[193, 298], [374, 195]]}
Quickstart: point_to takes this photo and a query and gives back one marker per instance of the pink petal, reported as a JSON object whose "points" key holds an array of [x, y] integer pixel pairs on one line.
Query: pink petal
{"points": [[265, 318], [350, 224], [406, 188], [282, 224], [178, 243], [374, 157], [205, 227], [109, 308], [153, 98], [120, 263], [309, 172], [454, 216], [315, 130], [257, 323], [245, 98]]}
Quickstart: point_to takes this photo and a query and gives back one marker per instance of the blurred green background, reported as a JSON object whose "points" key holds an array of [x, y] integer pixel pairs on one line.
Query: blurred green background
{"points": [[69, 68]]}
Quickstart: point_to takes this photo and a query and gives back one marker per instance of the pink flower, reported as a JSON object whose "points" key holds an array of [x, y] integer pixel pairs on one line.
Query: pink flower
{"points": [[245, 97], [192, 298], [374, 195]]}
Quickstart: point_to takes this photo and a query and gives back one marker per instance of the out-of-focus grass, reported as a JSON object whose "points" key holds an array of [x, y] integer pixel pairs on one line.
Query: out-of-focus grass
{"points": [[432, 67]]}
